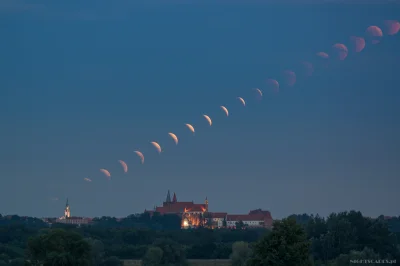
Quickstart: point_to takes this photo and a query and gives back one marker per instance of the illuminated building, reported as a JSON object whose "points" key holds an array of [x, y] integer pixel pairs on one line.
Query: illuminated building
{"points": [[193, 214], [67, 212], [68, 219]]}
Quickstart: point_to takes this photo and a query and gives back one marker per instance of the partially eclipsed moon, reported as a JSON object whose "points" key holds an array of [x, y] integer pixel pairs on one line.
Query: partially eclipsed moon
{"points": [[375, 34], [323, 55], [323, 59], [157, 146], [290, 77], [174, 137], [358, 43], [273, 84], [341, 50], [392, 27], [308, 68]]}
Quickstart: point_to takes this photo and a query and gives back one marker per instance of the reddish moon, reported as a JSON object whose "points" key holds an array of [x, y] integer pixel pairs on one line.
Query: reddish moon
{"points": [[323, 55], [358, 43], [375, 34], [340, 50], [392, 27], [323, 59], [308, 68], [290, 77], [273, 84]]}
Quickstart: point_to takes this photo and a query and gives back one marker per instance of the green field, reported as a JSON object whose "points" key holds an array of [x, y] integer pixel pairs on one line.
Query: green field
{"points": [[192, 262]]}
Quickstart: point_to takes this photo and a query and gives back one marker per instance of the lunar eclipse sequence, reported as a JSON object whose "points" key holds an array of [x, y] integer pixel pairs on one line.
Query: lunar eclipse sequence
{"points": [[338, 51]]}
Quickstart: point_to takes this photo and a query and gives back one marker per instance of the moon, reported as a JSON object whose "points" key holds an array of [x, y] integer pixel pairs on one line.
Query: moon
{"points": [[124, 165], [208, 119], [157, 146], [106, 172], [140, 155], [340, 50], [223, 108], [190, 127], [323, 57], [358, 43], [273, 84], [174, 137], [242, 101], [375, 34], [308, 68], [391, 27], [290, 77]]}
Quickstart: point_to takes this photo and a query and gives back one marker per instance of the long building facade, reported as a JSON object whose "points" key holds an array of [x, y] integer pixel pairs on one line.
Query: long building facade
{"points": [[197, 214]]}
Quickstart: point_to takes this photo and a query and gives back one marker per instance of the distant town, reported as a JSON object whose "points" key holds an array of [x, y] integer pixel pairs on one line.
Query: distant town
{"points": [[193, 215]]}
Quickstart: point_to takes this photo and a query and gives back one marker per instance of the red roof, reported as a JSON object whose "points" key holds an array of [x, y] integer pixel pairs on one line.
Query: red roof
{"points": [[259, 211], [219, 215], [180, 207]]}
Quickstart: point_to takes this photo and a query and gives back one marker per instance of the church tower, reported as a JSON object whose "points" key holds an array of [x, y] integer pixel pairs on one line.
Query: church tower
{"points": [[168, 200], [174, 199], [67, 212], [206, 204]]}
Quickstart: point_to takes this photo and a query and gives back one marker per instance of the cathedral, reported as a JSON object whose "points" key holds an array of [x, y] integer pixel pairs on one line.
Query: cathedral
{"points": [[197, 214], [193, 214]]}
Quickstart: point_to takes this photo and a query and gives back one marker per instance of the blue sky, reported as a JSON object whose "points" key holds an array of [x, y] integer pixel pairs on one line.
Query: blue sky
{"points": [[85, 86]]}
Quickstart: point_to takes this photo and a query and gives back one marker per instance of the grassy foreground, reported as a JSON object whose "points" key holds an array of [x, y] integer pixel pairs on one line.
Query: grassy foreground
{"points": [[192, 262]]}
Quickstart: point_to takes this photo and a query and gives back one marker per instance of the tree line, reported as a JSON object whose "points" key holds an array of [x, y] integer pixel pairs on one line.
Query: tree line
{"points": [[158, 240]]}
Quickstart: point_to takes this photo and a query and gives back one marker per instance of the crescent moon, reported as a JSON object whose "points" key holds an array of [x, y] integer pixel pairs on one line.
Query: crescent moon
{"points": [[157, 146], [106, 172], [208, 119], [242, 101], [225, 110], [140, 155], [124, 165], [174, 137], [191, 128], [272, 83]]}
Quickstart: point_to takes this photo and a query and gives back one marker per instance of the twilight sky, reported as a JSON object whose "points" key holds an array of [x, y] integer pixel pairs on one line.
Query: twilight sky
{"points": [[85, 86]]}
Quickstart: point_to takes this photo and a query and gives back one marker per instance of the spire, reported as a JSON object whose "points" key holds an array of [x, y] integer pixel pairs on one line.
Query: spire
{"points": [[168, 197], [174, 198], [67, 212]]}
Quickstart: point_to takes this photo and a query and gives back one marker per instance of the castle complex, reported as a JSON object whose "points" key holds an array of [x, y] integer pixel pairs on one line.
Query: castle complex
{"points": [[192, 215], [197, 214]]}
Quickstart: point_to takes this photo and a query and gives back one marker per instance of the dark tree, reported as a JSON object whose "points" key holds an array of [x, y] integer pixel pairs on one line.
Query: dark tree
{"points": [[286, 245], [173, 253], [59, 247]]}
